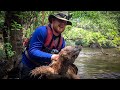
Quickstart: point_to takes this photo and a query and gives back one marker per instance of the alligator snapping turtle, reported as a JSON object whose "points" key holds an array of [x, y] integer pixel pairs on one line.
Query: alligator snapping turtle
{"points": [[62, 68]]}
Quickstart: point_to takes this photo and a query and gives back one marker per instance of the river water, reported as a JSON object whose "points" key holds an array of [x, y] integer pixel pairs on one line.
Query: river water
{"points": [[93, 64]]}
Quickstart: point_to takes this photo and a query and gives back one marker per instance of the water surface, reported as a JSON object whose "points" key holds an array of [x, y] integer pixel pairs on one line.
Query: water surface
{"points": [[93, 64]]}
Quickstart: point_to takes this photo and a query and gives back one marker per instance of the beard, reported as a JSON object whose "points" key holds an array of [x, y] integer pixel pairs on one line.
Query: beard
{"points": [[58, 29]]}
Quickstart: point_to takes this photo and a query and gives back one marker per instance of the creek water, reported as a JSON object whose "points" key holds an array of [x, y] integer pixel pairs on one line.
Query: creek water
{"points": [[93, 64]]}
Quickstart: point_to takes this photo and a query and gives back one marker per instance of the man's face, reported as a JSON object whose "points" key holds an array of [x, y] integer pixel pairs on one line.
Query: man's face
{"points": [[59, 25]]}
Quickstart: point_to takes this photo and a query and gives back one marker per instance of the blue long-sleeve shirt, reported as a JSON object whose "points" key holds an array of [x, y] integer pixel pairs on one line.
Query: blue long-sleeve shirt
{"points": [[35, 48]]}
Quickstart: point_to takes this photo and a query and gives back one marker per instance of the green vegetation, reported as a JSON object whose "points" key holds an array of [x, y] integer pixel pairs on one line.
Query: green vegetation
{"points": [[102, 27], [8, 47], [89, 27]]}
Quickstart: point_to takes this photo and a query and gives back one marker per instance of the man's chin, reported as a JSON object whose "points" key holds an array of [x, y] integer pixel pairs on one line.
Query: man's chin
{"points": [[59, 31]]}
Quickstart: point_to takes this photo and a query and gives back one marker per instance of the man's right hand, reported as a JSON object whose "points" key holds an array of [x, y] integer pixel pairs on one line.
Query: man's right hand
{"points": [[55, 57]]}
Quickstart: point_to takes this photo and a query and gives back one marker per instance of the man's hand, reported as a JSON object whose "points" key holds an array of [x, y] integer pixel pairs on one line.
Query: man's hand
{"points": [[55, 57]]}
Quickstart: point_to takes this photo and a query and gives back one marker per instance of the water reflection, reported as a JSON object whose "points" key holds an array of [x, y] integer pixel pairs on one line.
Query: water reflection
{"points": [[92, 64]]}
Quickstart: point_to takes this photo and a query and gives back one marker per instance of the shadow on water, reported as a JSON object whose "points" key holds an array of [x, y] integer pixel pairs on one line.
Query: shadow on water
{"points": [[92, 64]]}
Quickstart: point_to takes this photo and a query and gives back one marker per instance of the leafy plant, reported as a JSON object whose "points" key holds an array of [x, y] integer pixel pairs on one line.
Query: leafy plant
{"points": [[16, 26], [8, 47]]}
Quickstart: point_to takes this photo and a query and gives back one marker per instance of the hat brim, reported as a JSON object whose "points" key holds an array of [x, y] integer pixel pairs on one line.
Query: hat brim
{"points": [[52, 16]]}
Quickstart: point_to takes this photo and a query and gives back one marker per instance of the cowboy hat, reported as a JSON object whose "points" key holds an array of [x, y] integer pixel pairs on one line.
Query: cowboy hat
{"points": [[63, 15]]}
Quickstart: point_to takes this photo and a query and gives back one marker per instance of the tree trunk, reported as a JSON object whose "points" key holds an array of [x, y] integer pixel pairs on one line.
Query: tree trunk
{"points": [[12, 36], [5, 30], [16, 37], [43, 17]]}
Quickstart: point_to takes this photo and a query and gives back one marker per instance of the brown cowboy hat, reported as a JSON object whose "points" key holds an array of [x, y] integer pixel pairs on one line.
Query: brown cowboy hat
{"points": [[63, 15]]}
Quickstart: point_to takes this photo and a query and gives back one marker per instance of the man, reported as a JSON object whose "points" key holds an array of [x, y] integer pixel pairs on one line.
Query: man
{"points": [[45, 43]]}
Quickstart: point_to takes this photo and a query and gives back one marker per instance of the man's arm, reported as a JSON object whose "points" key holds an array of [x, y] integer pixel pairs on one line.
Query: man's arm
{"points": [[36, 44]]}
